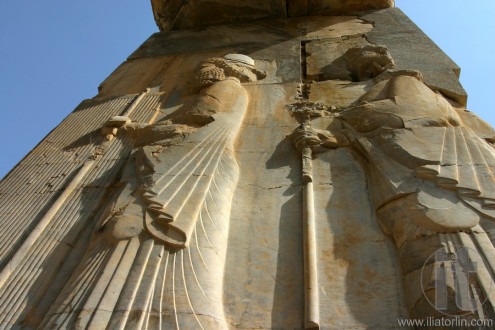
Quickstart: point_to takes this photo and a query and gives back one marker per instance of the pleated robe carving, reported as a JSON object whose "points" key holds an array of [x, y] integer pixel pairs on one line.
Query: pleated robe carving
{"points": [[168, 270], [408, 133], [433, 186]]}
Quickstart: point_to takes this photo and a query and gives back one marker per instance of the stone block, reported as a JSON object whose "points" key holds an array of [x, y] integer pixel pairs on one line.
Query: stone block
{"points": [[327, 27], [340, 94], [391, 28], [340, 7], [180, 14], [325, 61]]}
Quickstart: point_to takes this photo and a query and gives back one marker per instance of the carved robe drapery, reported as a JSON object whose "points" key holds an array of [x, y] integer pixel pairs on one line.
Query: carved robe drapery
{"points": [[409, 133], [183, 176], [157, 258], [432, 182]]}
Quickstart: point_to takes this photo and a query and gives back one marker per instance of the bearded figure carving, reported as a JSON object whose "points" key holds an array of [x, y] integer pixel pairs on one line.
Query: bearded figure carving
{"points": [[159, 250], [432, 184]]}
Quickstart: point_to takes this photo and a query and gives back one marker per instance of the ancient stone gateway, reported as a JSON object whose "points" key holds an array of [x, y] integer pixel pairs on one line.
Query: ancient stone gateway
{"points": [[259, 164]]}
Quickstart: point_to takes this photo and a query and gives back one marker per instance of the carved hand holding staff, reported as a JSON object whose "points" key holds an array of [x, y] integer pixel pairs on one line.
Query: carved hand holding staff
{"points": [[160, 248]]}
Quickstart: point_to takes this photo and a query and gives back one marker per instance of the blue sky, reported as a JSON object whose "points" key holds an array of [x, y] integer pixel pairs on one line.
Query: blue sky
{"points": [[55, 54]]}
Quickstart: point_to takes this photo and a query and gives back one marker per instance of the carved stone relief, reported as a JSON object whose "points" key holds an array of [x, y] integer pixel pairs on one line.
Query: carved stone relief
{"points": [[160, 245], [215, 197], [431, 176]]}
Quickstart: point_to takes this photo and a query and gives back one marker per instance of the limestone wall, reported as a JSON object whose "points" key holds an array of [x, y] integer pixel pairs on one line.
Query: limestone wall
{"points": [[52, 200]]}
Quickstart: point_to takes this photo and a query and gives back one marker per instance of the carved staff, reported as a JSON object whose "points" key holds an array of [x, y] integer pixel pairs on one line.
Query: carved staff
{"points": [[304, 139]]}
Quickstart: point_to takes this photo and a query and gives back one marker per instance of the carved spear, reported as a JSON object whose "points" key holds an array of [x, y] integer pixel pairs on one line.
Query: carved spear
{"points": [[304, 139]]}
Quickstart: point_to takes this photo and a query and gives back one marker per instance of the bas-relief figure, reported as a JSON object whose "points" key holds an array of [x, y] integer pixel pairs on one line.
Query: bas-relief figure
{"points": [[157, 255], [431, 180], [159, 249]]}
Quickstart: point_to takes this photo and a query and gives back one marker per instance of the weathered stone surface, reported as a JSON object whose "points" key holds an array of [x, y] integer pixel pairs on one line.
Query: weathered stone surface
{"points": [[478, 125], [425, 167], [413, 50], [133, 77], [326, 27], [288, 173], [180, 14], [340, 7], [178, 163], [352, 249], [340, 94], [279, 37], [186, 14], [325, 58], [211, 38], [62, 192]]}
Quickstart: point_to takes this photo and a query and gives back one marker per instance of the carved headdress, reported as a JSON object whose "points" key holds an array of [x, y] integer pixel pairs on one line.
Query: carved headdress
{"points": [[232, 65]]}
